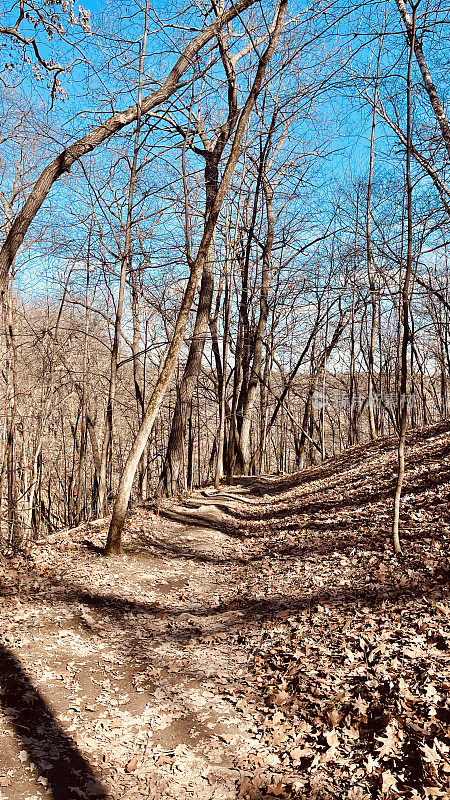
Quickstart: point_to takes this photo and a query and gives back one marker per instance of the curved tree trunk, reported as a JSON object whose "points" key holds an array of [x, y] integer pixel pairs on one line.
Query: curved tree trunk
{"points": [[172, 480], [114, 541], [101, 133]]}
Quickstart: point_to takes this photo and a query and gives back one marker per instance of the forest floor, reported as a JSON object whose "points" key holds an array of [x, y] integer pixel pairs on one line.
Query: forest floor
{"points": [[256, 642]]}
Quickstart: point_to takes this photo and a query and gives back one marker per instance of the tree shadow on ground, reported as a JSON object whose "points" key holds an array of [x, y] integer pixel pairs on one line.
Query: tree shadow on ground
{"points": [[237, 613], [375, 486], [93, 548], [197, 520], [352, 458], [53, 752], [173, 550]]}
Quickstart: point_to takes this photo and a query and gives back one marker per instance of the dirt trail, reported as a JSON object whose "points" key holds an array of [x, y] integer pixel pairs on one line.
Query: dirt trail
{"points": [[126, 657], [256, 643]]}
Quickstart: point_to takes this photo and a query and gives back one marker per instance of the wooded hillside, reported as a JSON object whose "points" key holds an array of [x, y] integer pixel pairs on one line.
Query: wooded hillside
{"points": [[225, 245], [224, 399], [257, 642]]}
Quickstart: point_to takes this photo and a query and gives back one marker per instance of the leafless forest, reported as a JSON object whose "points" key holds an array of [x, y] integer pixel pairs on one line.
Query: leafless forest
{"points": [[224, 400], [224, 245]]}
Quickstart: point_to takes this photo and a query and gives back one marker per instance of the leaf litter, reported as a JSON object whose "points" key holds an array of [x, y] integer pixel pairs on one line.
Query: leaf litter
{"points": [[256, 642]]}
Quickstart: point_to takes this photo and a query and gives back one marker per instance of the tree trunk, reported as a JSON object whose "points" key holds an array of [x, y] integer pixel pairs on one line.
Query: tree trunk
{"points": [[370, 277], [403, 381], [14, 527], [114, 541], [172, 480], [83, 439], [64, 160], [416, 46], [260, 330], [222, 385]]}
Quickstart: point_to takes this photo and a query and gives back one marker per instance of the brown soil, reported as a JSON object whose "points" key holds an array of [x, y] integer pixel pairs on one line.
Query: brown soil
{"points": [[257, 642]]}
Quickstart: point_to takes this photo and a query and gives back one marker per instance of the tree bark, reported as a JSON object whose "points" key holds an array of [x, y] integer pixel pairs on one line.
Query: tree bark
{"points": [[260, 330], [403, 382], [172, 477], [430, 88], [114, 541], [222, 384], [95, 137]]}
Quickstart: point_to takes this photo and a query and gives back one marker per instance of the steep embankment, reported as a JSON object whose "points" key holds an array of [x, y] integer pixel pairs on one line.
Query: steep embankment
{"points": [[258, 642]]}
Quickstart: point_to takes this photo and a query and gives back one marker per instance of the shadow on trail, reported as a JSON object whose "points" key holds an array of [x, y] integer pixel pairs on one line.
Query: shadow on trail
{"points": [[133, 630], [172, 550], [154, 548], [236, 614], [93, 548], [53, 752], [197, 520]]}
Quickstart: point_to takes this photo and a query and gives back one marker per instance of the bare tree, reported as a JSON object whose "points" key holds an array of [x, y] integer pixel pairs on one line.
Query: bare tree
{"points": [[172, 479], [100, 134], [114, 543], [403, 381]]}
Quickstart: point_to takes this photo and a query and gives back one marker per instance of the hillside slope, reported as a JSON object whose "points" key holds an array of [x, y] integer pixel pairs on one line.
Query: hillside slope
{"points": [[257, 642], [353, 654]]}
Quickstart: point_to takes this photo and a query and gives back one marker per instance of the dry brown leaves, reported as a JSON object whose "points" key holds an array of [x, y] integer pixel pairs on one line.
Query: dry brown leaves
{"points": [[282, 654]]}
